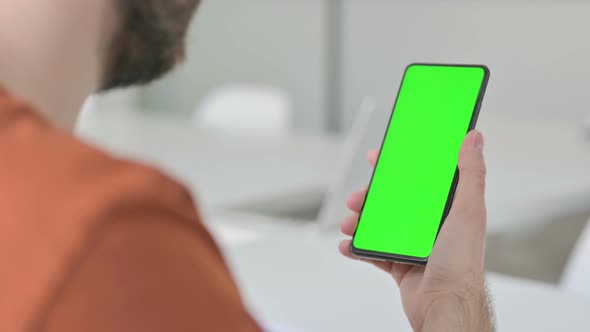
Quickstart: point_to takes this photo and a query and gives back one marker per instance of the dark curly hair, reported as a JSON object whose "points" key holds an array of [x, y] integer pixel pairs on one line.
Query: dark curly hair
{"points": [[150, 41]]}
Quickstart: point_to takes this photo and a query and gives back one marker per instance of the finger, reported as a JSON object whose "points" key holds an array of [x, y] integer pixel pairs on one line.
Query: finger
{"points": [[470, 197], [344, 249], [372, 157], [397, 271], [348, 226], [356, 200], [461, 243]]}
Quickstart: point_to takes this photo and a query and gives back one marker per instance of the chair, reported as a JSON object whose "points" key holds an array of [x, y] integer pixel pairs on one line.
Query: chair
{"points": [[577, 271], [246, 109]]}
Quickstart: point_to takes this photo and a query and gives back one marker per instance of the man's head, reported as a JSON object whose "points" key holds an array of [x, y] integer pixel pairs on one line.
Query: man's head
{"points": [[54, 53], [149, 40]]}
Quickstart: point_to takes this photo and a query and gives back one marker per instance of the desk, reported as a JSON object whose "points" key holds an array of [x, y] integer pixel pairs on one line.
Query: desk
{"points": [[293, 275], [223, 171], [537, 171]]}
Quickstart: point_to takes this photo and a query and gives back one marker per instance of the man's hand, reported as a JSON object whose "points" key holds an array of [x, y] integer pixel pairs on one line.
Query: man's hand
{"points": [[450, 293]]}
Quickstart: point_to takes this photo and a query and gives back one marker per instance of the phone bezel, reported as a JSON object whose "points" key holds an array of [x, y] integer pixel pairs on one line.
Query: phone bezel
{"points": [[382, 256]]}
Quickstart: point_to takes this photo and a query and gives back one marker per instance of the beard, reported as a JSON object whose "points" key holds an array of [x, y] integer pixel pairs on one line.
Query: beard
{"points": [[149, 43]]}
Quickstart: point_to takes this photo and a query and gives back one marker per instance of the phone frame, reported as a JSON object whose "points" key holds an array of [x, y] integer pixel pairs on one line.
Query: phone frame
{"points": [[388, 257]]}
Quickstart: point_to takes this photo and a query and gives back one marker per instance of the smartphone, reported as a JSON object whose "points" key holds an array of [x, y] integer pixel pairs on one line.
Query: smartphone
{"points": [[414, 182]]}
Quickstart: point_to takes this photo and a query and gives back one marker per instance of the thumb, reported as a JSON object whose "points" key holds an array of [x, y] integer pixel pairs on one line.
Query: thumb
{"points": [[461, 243], [470, 196]]}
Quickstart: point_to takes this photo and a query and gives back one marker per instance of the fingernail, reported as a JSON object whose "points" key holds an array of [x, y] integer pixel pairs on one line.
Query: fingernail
{"points": [[478, 141]]}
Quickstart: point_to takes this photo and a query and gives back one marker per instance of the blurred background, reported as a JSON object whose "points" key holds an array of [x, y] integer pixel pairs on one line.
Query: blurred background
{"points": [[270, 118]]}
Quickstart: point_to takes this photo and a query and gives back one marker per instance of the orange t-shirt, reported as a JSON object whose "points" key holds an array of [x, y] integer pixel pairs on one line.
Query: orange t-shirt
{"points": [[92, 243]]}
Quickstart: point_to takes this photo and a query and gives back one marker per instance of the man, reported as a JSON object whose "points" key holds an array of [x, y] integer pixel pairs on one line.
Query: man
{"points": [[92, 243]]}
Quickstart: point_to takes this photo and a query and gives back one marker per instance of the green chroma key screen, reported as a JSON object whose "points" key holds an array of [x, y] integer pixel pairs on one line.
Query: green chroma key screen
{"points": [[418, 162]]}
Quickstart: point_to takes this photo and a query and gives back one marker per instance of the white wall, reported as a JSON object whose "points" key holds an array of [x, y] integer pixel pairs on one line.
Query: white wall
{"points": [[538, 52], [278, 42]]}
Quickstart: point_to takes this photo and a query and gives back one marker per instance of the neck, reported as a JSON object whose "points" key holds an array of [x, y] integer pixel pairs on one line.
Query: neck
{"points": [[56, 101], [48, 61], [56, 88]]}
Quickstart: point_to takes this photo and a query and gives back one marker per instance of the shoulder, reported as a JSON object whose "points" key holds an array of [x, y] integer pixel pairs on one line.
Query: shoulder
{"points": [[69, 209]]}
